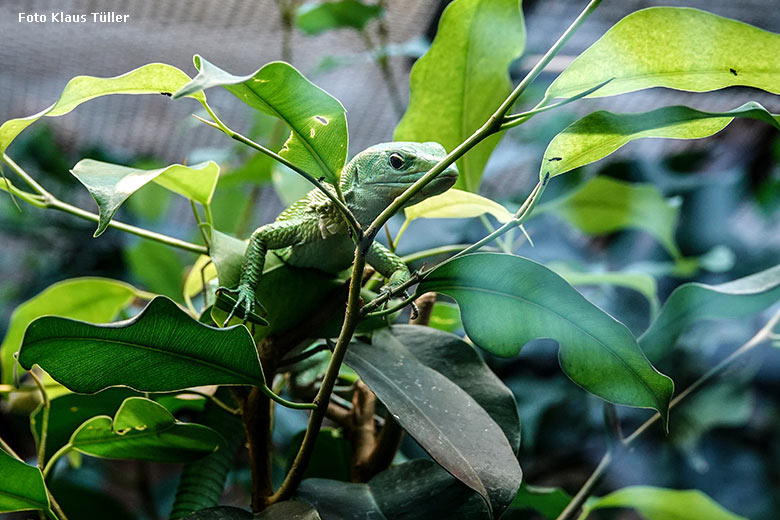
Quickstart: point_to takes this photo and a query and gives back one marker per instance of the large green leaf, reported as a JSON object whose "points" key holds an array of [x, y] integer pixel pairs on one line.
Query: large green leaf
{"points": [[446, 421], [507, 301], [680, 48], [317, 17], [416, 490], [69, 411], [154, 78], [550, 502], [601, 133], [458, 84], [21, 486], [317, 120], [603, 205], [696, 301], [90, 299], [662, 504], [160, 350], [221, 513], [111, 184], [455, 203], [144, 430], [464, 367]]}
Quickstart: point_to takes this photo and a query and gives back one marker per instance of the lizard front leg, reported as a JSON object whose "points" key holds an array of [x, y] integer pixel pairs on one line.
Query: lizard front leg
{"points": [[388, 264], [275, 235]]}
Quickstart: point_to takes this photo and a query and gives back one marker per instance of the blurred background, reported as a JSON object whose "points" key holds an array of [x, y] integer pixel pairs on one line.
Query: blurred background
{"points": [[726, 443]]}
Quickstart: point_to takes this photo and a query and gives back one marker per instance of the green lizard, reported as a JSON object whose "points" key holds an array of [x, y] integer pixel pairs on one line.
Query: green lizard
{"points": [[313, 233]]}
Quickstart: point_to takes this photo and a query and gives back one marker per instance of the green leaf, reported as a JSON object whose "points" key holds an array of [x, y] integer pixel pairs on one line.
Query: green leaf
{"points": [[69, 411], [221, 513], [157, 267], [416, 490], [662, 504], [550, 502], [160, 350], [111, 184], [601, 133], [144, 430], [674, 47], [315, 18], [458, 84], [446, 317], [464, 367], [89, 299], [22, 487], [441, 417], [317, 120], [604, 205], [154, 78], [596, 351], [455, 203], [331, 457], [697, 301]]}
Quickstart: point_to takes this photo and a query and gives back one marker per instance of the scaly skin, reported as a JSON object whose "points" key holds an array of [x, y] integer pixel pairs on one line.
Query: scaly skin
{"points": [[313, 233]]}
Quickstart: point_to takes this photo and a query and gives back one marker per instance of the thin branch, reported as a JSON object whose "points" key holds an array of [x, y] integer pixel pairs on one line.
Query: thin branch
{"points": [[585, 491], [44, 419]]}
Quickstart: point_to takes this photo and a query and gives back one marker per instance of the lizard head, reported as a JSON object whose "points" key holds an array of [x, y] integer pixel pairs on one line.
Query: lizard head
{"points": [[377, 175]]}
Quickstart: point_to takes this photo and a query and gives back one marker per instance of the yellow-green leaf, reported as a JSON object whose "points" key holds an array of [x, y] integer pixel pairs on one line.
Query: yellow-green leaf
{"points": [[456, 203]]}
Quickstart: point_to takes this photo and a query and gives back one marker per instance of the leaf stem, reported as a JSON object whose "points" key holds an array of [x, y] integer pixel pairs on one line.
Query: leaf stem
{"points": [[763, 335], [54, 458], [49, 201], [44, 419]]}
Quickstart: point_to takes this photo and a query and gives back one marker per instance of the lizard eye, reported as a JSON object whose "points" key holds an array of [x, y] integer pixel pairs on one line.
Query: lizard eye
{"points": [[396, 160]]}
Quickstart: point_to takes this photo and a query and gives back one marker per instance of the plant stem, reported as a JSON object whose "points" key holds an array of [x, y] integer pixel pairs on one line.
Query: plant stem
{"points": [[6, 448], [54, 458], [44, 419], [763, 335], [50, 201], [295, 475]]}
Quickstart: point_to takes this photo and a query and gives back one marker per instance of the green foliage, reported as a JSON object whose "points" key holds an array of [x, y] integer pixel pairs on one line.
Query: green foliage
{"points": [[455, 203], [550, 502], [442, 417], [603, 205], [160, 350], [144, 430], [318, 138], [317, 17], [596, 351], [111, 184], [22, 487], [662, 504], [463, 78], [96, 300], [600, 133], [674, 47]]}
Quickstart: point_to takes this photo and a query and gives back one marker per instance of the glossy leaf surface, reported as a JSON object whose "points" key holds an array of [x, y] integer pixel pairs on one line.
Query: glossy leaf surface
{"points": [[663, 504], [455, 203], [162, 349], [315, 18], [696, 301], [601, 133], [442, 417], [144, 430], [21, 486], [111, 184], [317, 120], [416, 490], [458, 84], [674, 47], [95, 300], [604, 205], [506, 301]]}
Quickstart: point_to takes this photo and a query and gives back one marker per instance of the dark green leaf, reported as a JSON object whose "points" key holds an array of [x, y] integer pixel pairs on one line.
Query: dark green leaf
{"points": [[463, 79], [506, 301], [548, 501], [90, 299], [111, 184], [144, 430], [221, 513], [160, 350], [331, 457], [21, 486], [663, 504], [462, 365], [318, 142], [674, 47], [315, 18], [69, 411], [416, 490], [600, 133], [442, 418], [696, 301], [603, 205], [157, 267]]}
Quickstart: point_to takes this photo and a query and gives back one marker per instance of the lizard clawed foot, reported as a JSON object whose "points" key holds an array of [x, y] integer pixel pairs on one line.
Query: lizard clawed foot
{"points": [[245, 298]]}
